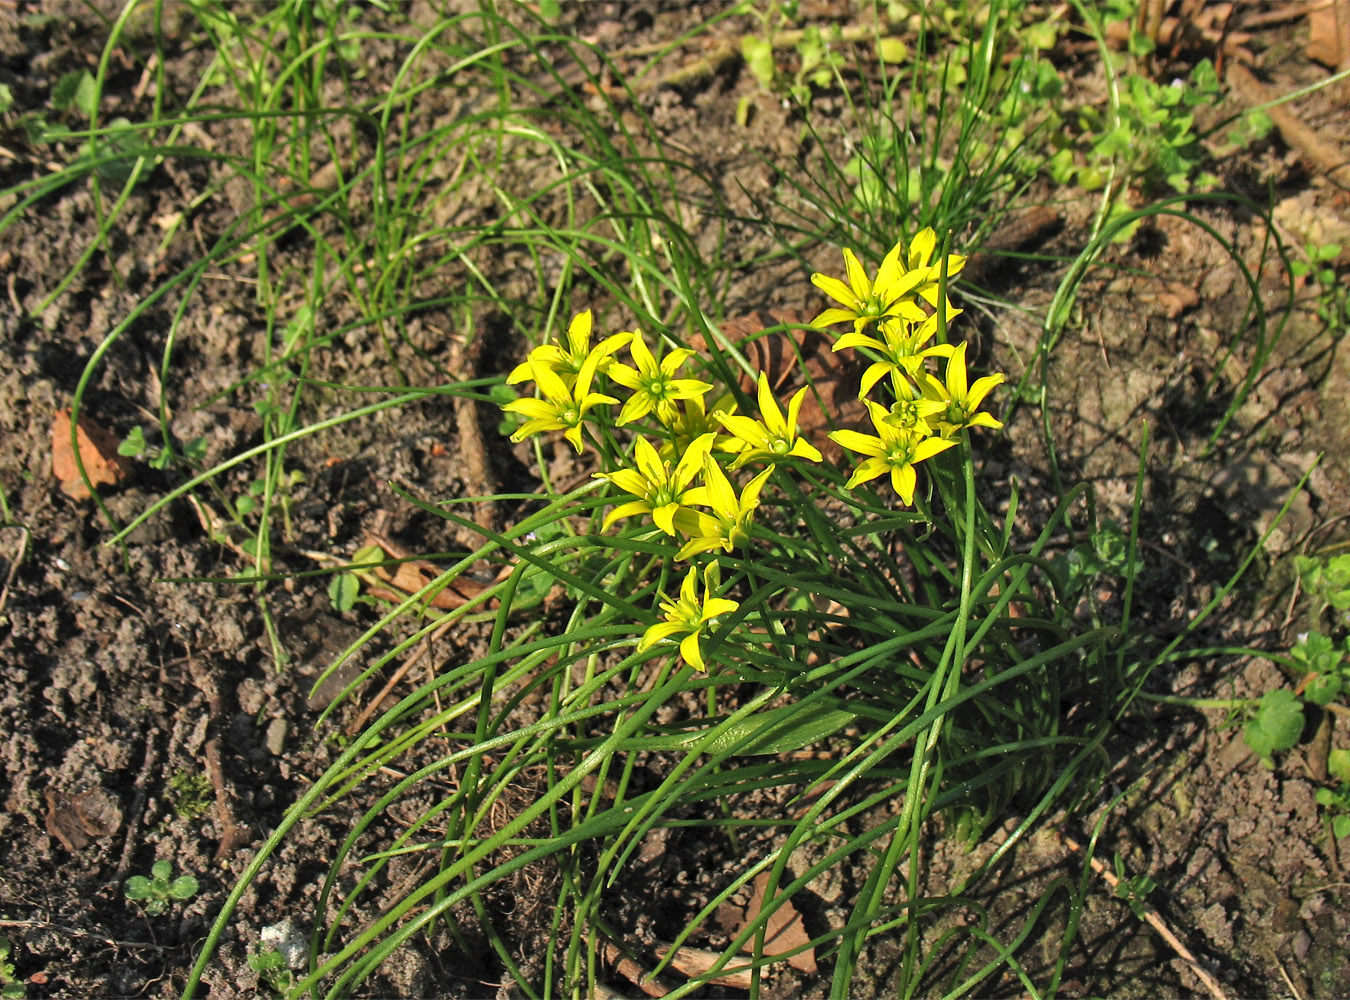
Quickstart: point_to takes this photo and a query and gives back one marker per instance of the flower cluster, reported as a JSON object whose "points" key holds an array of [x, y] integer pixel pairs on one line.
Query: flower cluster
{"points": [[691, 444], [684, 482], [895, 317]]}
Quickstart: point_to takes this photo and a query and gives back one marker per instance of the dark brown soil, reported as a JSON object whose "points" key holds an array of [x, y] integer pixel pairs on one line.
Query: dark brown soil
{"points": [[146, 718]]}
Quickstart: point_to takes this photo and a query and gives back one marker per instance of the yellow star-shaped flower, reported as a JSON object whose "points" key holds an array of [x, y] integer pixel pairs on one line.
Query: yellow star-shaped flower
{"points": [[892, 449], [657, 488], [654, 383], [563, 407], [961, 401], [689, 617], [729, 523], [901, 346], [774, 436], [566, 360], [905, 276]]}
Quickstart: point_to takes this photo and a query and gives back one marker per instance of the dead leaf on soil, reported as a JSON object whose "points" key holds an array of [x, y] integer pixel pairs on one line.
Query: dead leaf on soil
{"points": [[1323, 44], [785, 930], [98, 452], [76, 819], [411, 576]]}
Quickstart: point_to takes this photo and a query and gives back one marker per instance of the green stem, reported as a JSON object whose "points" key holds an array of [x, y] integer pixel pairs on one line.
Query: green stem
{"points": [[1225, 703]]}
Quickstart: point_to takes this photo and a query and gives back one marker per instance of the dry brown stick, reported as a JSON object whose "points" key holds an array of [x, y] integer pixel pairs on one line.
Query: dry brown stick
{"points": [[14, 563], [373, 705], [1293, 990], [476, 465], [1323, 155], [232, 836], [47, 925], [1155, 921], [148, 765], [1282, 13], [633, 972]]}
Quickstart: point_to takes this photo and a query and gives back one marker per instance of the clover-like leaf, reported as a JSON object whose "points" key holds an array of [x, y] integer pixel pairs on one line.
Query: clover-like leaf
{"points": [[1338, 765], [1276, 726]]}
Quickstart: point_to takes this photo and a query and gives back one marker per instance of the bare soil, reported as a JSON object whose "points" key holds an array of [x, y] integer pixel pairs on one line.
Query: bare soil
{"points": [[144, 717]]}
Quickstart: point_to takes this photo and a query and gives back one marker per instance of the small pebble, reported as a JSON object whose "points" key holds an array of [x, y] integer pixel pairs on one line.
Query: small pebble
{"points": [[276, 736]]}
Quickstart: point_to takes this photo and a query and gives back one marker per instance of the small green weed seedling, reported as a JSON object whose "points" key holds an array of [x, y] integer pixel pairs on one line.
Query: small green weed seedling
{"points": [[1326, 680], [1153, 133], [1327, 581], [818, 57], [1336, 801], [272, 970], [135, 445], [1134, 889], [1106, 552], [1325, 665], [110, 150], [1322, 665], [1276, 725], [157, 893], [344, 589], [11, 988], [1333, 297]]}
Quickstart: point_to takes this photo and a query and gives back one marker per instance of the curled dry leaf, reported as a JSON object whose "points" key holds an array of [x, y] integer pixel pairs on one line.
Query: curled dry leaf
{"points": [[98, 452], [75, 820], [1324, 43], [411, 576], [785, 930], [783, 933]]}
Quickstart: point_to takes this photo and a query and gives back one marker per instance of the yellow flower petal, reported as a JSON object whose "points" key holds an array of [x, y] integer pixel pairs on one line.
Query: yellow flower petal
{"points": [[903, 481], [630, 509], [655, 633], [833, 315], [691, 654], [803, 449], [921, 249], [857, 276], [864, 444], [579, 334]]}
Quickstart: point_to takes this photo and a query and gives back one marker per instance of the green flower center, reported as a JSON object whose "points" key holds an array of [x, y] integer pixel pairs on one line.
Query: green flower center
{"points": [[570, 415], [905, 414], [898, 454], [662, 495], [873, 305], [780, 446], [657, 387]]}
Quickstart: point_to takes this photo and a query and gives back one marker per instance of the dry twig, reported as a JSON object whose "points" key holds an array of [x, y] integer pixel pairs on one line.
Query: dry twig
{"points": [[1321, 154], [1155, 921], [232, 835]]}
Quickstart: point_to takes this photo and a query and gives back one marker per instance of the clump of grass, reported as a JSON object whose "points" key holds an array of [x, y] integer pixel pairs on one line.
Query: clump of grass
{"points": [[935, 680]]}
